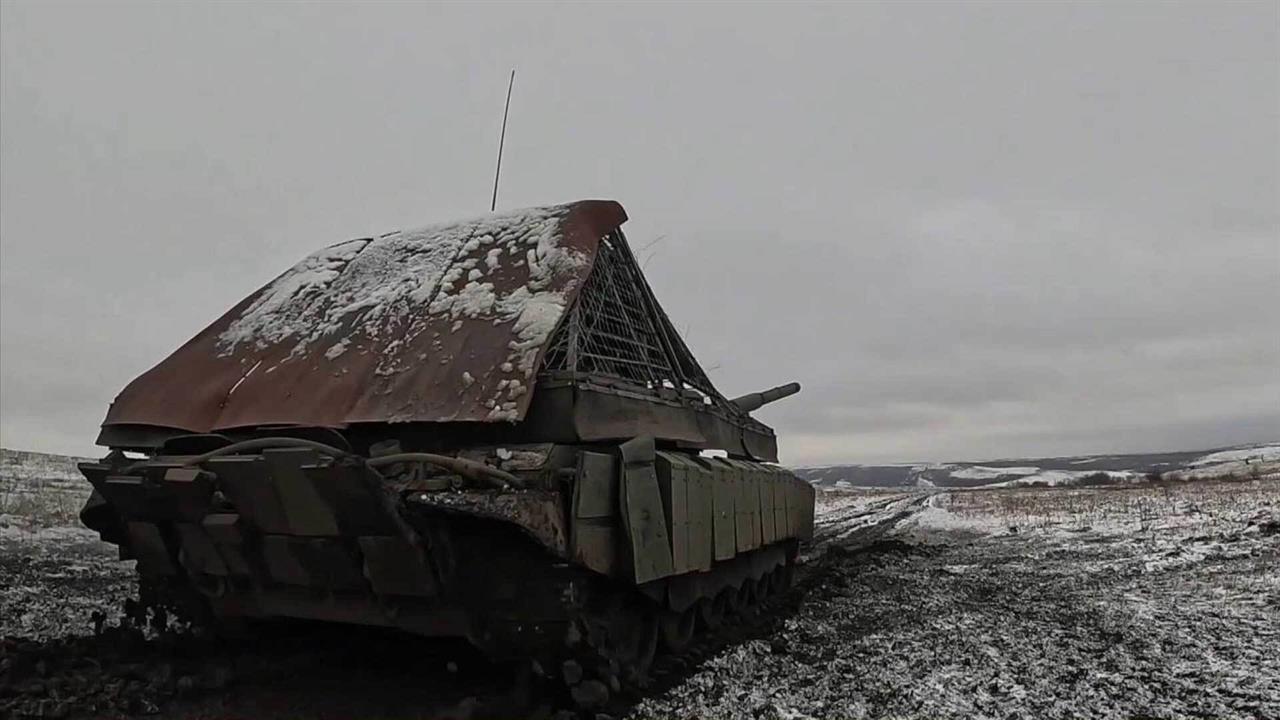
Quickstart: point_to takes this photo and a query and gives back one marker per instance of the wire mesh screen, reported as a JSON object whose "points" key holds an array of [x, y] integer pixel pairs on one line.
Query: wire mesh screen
{"points": [[615, 329]]}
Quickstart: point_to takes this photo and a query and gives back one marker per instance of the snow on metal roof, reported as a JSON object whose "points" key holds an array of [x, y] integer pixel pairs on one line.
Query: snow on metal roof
{"points": [[442, 323]]}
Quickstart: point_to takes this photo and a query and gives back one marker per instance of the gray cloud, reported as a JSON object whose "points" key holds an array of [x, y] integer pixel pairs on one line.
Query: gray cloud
{"points": [[969, 230]]}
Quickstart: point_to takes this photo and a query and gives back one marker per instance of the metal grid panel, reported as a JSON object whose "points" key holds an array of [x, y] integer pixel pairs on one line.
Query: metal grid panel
{"points": [[616, 329], [610, 331]]}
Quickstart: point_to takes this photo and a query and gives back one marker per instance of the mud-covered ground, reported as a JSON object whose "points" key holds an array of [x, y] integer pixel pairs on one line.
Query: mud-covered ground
{"points": [[66, 650], [1034, 603], [1004, 603]]}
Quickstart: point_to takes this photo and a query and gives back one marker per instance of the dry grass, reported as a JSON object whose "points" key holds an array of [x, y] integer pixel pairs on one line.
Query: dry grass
{"points": [[43, 503], [1191, 503]]}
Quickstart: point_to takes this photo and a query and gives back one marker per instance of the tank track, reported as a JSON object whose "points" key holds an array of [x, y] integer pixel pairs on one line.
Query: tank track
{"points": [[609, 641], [619, 645]]}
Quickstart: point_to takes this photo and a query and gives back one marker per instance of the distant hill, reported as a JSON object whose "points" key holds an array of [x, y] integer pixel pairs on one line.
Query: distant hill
{"points": [[27, 465], [1263, 459], [22, 469], [39, 489]]}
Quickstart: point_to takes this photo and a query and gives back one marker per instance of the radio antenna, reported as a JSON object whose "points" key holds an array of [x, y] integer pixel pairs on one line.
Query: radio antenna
{"points": [[502, 139]]}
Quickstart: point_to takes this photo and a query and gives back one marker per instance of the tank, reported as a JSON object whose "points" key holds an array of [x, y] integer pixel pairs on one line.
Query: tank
{"points": [[487, 429]]}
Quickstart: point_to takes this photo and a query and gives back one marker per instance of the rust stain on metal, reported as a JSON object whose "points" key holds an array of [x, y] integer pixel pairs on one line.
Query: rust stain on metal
{"points": [[421, 361]]}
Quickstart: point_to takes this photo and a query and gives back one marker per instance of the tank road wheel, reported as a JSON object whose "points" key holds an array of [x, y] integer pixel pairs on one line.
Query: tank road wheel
{"points": [[677, 630], [778, 581], [763, 588], [732, 601], [747, 600], [711, 611], [633, 638], [649, 644]]}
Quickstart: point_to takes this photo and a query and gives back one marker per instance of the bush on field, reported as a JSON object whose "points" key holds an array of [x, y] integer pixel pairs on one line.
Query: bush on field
{"points": [[1098, 478]]}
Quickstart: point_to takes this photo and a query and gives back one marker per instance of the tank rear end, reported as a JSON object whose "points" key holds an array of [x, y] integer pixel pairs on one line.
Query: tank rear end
{"points": [[290, 530], [489, 430]]}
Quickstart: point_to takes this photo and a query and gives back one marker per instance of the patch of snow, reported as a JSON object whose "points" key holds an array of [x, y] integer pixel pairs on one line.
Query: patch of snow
{"points": [[981, 472], [1053, 478], [934, 520], [337, 348], [391, 286], [277, 312], [1265, 453], [536, 316], [492, 258], [1240, 468]]}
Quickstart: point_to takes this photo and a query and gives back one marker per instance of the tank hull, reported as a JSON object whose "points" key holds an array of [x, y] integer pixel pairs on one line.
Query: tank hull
{"points": [[290, 533]]}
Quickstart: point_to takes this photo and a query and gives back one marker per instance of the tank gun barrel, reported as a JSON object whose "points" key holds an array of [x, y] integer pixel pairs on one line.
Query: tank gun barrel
{"points": [[753, 401]]}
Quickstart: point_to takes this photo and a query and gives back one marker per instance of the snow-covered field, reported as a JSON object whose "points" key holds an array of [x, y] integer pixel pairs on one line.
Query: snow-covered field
{"points": [[1131, 600], [39, 490], [1152, 601], [1241, 462], [52, 580]]}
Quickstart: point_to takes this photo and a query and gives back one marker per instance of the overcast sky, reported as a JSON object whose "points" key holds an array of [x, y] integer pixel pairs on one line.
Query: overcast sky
{"points": [[969, 231]]}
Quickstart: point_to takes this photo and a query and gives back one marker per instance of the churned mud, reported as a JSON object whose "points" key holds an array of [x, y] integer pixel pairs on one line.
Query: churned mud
{"points": [[1037, 603], [1148, 601]]}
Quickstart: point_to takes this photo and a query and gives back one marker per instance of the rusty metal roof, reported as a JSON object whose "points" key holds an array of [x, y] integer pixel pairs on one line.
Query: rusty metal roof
{"points": [[440, 324]]}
